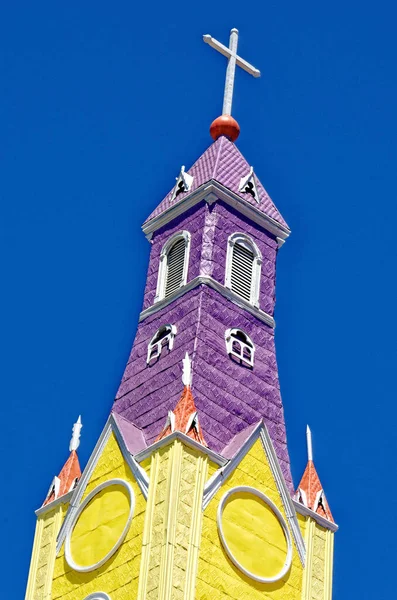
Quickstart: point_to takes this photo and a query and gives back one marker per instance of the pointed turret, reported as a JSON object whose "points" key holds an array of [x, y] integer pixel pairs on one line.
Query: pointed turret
{"points": [[184, 417], [310, 492], [70, 472]]}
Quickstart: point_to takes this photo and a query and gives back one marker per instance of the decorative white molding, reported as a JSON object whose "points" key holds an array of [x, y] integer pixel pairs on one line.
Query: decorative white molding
{"points": [[178, 435], [248, 346], [155, 347], [248, 185], [97, 596], [186, 370], [306, 512], [222, 193], [309, 443], [218, 478], [288, 559], [87, 499], [211, 198], [137, 471], [162, 276], [61, 500], [280, 241], [284, 493], [216, 481], [247, 242], [75, 441], [185, 179], [212, 283]]}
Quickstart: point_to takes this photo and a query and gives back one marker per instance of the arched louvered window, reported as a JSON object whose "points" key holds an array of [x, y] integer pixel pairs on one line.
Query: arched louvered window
{"points": [[173, 268], [243, 267], [240, 346]]}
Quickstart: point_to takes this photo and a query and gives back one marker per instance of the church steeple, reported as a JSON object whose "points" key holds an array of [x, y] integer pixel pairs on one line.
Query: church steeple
{"points": [[188, 492]]}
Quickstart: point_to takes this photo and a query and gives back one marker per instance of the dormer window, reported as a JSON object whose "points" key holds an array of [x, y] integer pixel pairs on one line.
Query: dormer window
{"points": [[173, 267], [183, 183], [243, 267], [163, 337], [248, 185], [240, 346]]}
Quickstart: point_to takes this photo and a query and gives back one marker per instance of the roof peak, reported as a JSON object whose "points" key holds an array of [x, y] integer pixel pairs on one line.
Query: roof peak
{"points": [[223, 162]]}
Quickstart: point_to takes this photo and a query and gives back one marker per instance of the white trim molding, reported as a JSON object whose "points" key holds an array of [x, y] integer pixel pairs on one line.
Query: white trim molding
{"points": [[86, 501], [246, 349], [215, 285], [307, 512], [162, 275], [137, 471], [155, 347], [209, 189], [220, 476], [288, 559], [188, 441], [97, 596], [248, 243]]}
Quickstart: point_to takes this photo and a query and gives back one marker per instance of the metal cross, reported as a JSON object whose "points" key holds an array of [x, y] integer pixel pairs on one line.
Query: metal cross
{"points": [[231, 54]]}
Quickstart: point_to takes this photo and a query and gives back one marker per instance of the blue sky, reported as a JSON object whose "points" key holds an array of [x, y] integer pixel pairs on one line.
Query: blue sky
{"points": [[100, 106]]}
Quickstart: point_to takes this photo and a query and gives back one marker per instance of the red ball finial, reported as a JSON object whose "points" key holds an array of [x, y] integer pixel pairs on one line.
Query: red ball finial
{"points": [[225, 125]]}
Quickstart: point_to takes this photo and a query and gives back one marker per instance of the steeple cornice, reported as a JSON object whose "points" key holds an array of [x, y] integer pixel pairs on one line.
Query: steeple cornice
{"points": [[211, 191]]}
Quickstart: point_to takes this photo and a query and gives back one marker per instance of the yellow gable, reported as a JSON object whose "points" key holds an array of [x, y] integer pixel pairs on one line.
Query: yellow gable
{"points": [[108, 511], [246, 536]]}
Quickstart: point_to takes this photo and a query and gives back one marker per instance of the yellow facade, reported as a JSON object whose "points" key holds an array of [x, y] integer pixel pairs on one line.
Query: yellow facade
{"points": [[173, 523], [118, 577], [217, 576], [172, 549]]}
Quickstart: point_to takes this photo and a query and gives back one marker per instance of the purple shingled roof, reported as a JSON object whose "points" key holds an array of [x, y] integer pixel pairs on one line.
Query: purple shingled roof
{"points": [[223, 162]]}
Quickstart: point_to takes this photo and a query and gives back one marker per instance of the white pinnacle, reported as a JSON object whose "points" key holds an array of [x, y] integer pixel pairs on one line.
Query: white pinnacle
{"points": [[309, 443], [233, 60], [187, 370], [75, 441]]}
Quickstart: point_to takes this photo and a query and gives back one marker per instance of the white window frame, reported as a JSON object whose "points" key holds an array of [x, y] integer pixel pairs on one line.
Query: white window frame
{"points": [[158, 346], [98, 596], [162, 276], [230, 338], [247, 242]]}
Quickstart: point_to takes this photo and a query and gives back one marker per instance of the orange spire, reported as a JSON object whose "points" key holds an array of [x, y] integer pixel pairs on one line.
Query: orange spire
{"points": [[310, 492], [70, 472], [184, 417]]}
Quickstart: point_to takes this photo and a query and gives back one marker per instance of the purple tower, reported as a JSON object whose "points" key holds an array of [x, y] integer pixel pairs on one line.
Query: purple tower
{"points": [[210, 291]]}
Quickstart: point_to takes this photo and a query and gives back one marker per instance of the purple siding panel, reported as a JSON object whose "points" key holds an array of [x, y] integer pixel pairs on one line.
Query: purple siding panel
{"points": [[229, 397]]}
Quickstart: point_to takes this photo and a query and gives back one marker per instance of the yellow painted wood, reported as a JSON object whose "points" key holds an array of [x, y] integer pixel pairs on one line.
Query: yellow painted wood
{"points": [[254, 535], [173, 523], [218, 578], [118, 577], [100, 525], [34, 560]]}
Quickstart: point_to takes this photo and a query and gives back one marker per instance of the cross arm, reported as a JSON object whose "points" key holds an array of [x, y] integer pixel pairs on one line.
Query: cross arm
{"points": [[208, 39]]}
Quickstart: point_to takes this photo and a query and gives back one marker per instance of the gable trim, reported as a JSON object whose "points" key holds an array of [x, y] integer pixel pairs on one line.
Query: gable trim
{"points": [[222, 193], [137, 471], [307, 512], [284, 493], [188, 441], [217, 480]]}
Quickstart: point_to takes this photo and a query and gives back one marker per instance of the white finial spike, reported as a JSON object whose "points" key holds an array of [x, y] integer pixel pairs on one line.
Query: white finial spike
{"points": [[309, 443], [187, 370], [75, 441]]}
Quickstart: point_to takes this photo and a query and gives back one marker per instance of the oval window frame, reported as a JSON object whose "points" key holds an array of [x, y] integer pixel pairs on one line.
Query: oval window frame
{"points": [[68, 554], [277, 513]]}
